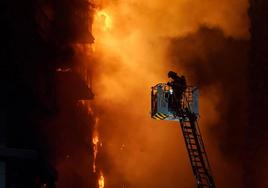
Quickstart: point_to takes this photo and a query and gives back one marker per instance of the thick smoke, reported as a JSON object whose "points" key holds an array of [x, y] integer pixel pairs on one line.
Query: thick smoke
{"points": [[136, 44], [219, 66]]}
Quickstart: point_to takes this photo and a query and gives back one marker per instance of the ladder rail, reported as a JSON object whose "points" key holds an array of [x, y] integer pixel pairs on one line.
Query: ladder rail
{"points": [[202, 143], [194, 143], [197, 155], [185, 110]]}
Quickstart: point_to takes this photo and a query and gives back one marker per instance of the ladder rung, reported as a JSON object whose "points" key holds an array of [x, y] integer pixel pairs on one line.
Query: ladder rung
{"points": [[191, 148], [194, 151], [194, 160], [195, 156], [203, 179], [195, 143], [188, 134], [187, 127], [188, 138], [188, 130], [203, 184], [191, 139], [203, 173], [197, 164], [191, 143]]}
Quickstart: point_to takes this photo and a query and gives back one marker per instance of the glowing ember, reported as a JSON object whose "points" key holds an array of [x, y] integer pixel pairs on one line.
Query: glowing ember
{"points": [[101, 180]]}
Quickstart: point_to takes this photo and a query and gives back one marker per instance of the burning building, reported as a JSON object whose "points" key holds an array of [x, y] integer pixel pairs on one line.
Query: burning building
{"points": [[56, 133], [44, 130]]}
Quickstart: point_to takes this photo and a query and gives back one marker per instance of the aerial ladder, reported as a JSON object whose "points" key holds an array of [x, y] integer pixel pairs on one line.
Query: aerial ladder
{"points": [[165, 106]]}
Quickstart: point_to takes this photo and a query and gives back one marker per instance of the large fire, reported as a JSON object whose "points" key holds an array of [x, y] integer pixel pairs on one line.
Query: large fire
{"points": [[131, 40]]}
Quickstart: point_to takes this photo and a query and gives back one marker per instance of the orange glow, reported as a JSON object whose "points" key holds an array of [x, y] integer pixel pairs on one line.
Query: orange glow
{"points": [[105, 18], [95, 142], [131, 42], [101, 181]]}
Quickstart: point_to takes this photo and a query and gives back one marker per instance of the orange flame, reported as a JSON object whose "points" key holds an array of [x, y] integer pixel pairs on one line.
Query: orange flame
{"points": [[105, 18], [101, 181], [95, 141], [131, 43]]}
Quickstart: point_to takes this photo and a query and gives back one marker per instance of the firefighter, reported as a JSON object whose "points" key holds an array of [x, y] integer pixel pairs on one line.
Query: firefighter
{"points": [[178, 84]]}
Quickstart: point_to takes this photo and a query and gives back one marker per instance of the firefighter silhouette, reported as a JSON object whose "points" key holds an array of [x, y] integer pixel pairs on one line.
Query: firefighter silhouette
{"points": [[178, 84]]}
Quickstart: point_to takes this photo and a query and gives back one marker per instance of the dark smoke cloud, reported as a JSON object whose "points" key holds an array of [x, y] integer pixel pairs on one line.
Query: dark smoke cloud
{"points": [[213, 61]]}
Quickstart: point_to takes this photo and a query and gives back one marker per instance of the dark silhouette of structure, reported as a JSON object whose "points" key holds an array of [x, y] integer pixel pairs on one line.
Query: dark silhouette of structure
{"points": [[40, 86]]}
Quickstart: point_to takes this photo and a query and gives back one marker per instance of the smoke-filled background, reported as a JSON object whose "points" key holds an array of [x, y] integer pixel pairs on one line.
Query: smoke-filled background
{"points": [[54, 52], [136, 44]]}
